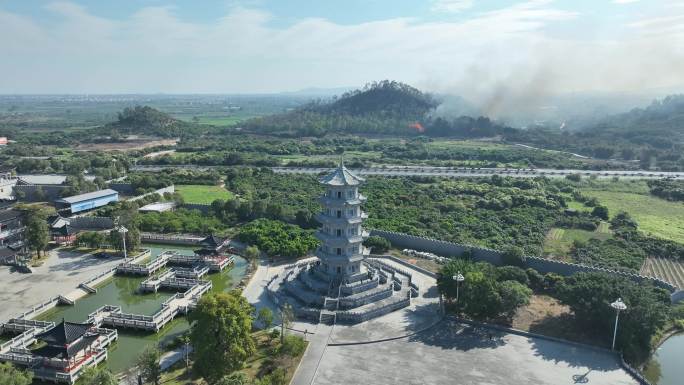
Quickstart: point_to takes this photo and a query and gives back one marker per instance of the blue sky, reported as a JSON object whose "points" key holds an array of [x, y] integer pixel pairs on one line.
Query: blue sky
{"points": [[469, 47]]}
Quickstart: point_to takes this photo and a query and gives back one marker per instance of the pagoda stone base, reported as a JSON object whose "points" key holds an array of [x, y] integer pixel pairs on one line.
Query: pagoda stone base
{"points": [[375, 290]]}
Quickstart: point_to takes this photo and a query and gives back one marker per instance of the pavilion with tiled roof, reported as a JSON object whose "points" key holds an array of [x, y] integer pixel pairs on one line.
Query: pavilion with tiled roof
{"points": [[211, 245], [67, 341]]}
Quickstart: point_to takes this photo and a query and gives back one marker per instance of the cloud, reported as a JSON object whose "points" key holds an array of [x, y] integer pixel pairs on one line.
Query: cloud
{"points": [[502, 59], [625, 1], [451, 6]]}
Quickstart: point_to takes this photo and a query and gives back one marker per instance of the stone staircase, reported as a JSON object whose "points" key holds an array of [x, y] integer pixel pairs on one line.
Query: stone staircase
{"points": [[327, 317]]}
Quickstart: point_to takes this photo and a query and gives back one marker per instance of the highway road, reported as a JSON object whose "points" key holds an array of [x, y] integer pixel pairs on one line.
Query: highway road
{"points": [[450, 172]]}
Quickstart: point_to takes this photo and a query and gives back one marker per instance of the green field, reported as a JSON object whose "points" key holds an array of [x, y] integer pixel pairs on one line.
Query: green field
{"points": [[558, 242], [202, 194], [655, 216]]}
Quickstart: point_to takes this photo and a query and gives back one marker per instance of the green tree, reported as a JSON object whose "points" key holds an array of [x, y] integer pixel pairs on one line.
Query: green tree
{"points": [[252, 252], [221, 326], [132, 239], [37, 233], [589, 296], [514, 256], [9, 375], [377, 244], [513, 295], [512, 273], [148, 363], [480, 298], [600, 212], [265, 317], [237, 378], [293, 345], [98, 376]]}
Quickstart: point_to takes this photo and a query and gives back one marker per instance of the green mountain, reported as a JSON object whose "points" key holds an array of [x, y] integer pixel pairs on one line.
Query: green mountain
{"points": [[145, 120], [380, 108]]}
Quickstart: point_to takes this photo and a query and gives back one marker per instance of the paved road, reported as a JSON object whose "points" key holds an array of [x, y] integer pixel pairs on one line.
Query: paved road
{"points": [[450, 172]]}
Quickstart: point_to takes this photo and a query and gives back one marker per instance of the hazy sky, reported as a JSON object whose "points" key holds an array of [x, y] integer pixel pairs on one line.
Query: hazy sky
{"points": [[470, 47]]}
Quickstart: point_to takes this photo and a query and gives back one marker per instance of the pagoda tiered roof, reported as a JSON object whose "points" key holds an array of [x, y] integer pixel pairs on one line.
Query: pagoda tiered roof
{"points": [[341, 176]]}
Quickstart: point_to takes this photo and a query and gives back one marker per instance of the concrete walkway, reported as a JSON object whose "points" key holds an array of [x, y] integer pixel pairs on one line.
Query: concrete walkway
{"points": [[169, 358], [308, 367]]}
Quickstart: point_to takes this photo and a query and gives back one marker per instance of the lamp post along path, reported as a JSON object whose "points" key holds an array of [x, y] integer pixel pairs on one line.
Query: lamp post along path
{"points": [[619, 306], [458, 278], [123, 232]]}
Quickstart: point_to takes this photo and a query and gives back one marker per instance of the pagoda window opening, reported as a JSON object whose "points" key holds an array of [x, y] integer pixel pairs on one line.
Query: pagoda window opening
{"points": [[339, 232], [339, 251], [339, 195], [339, 213]]}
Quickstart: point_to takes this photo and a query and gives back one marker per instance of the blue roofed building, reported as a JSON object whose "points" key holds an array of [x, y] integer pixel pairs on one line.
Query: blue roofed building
{"points": [[87, 201]]}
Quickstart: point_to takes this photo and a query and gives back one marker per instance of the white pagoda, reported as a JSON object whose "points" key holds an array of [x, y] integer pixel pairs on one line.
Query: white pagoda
{"points": [[343, 284], [341, 233]]}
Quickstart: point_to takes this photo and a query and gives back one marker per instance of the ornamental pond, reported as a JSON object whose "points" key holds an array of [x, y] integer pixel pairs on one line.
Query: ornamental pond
{"points": [[665, 367], [123, 291]]}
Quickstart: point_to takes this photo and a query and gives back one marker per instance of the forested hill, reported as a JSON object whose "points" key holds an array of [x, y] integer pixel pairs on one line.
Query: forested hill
{"points": [[386, 107], [145, 120], [658, 125], [653, 135]]}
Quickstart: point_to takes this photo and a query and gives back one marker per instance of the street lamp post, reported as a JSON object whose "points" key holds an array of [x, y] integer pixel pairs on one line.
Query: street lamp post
{"points": [[458, 278], [123, 232], [619, 306]]}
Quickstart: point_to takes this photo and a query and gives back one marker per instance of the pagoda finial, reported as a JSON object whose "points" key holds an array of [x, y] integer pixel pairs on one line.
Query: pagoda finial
{"points": [[342, 161]]}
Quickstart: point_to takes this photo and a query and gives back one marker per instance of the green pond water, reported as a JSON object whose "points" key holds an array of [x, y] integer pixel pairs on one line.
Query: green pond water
{"points": [[122, 291], [665, 367]]}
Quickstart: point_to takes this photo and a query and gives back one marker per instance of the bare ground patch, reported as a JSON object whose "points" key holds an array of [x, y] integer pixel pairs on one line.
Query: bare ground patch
{"points": [[547, 316], [128, 145]]}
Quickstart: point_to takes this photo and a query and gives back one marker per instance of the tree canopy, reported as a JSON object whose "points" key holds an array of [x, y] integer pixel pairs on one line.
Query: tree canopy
{"points": [[220, 335], [278, 238], [9, 375], [589, 295]]}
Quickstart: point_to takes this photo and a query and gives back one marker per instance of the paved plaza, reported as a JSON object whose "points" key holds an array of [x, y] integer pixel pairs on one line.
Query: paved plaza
{"points": [[60, 274], [446, 353], [452, 353]]}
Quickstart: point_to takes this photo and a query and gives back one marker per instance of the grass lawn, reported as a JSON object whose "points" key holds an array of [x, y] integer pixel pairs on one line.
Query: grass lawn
{"points": [[559, 241], [657, 217], [202, 194]]}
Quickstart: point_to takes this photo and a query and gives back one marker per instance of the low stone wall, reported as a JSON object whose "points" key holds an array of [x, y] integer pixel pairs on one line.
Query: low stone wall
{"points": [[38, 309], [168, 239], [543, 265], [356, 317]]}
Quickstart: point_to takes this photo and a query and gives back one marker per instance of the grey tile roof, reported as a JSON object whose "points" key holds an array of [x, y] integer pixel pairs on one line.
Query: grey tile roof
{"points": [[6, 215], [341, 176], [64, 333]]}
